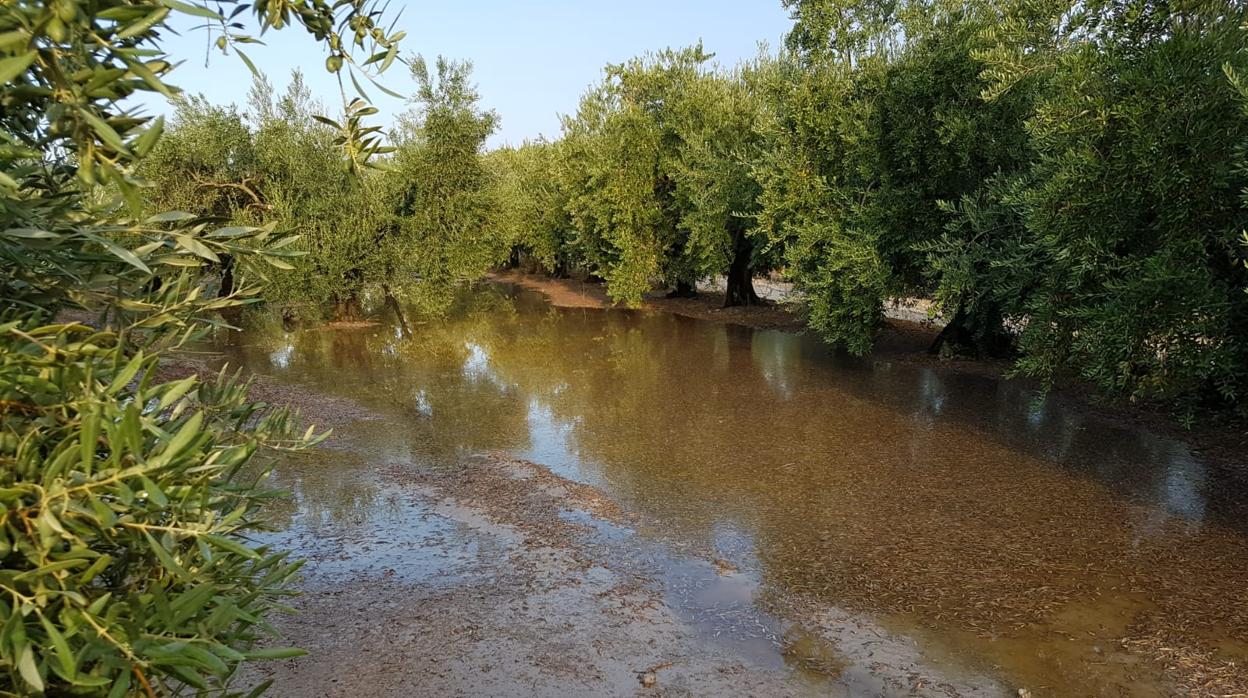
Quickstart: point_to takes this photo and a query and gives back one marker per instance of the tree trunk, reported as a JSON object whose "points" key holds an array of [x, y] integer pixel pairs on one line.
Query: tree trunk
{"points": [[348, 309], [234, 313], [347, 306], [740, 281], [683, 289], [393, 304]]}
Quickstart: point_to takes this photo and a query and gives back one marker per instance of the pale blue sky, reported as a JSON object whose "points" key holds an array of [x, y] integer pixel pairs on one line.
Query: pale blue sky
{"points": [[532, 61]]}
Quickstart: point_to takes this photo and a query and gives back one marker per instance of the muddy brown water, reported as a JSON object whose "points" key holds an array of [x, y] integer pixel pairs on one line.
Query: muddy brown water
{"points": [[1005, 534]]}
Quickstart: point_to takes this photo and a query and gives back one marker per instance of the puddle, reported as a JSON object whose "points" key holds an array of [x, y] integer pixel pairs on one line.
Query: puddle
{"points": [[954, 509]]}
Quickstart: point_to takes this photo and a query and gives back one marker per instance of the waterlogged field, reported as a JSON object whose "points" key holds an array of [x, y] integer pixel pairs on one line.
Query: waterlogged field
{"points": [[826, 520]]}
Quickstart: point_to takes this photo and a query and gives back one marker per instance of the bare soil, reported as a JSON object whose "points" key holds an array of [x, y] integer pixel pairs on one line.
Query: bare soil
{"points": [[574, 293]]}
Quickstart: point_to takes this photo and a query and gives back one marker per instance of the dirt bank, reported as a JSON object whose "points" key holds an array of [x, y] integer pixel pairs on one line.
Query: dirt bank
{"points": [[904, 338], [573, 293]]}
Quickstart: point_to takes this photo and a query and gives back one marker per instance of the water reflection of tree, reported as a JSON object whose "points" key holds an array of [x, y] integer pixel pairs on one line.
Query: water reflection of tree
{"points": [[426, 407], [327, 487], [900, 490], [883, 487], [676, 415]]}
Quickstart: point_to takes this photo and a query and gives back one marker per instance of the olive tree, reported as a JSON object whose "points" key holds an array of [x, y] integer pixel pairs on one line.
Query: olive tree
{"points": [[440, 189], [718, 120], [205, 164], [620, 199], [531, 206], [340, 213], [879, 124], [1133, 205], [657, 175]]}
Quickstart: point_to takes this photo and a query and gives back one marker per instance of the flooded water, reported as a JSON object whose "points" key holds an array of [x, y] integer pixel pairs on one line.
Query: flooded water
{"points": [[1006, 534]]}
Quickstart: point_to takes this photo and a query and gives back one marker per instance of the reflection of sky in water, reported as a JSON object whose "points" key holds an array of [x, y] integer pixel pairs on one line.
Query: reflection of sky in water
{"points": [[1036, 412], [1182, 486], [1179, 489], [775, 360], [735, 543], [423, 406], [931, 392], [477, 365], [281, 357], [550, 442]]}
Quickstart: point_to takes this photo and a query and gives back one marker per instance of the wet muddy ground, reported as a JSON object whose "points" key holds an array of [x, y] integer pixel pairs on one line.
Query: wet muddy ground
{"points": [[498, 577], [573, 293], [529, 500], [502, 579]]}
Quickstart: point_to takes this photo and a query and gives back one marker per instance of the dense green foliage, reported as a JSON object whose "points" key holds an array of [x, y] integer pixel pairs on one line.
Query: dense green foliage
{"points": [[1132, 211], [1056, 175], [442, 189], [652, 180], [855, 191], [337, 212], [408, 226], [1066, 181], [531, 212], [125, 567]]}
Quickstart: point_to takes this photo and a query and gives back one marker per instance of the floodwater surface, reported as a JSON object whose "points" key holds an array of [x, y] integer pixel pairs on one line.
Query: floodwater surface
{"points": [[1005, 534]]}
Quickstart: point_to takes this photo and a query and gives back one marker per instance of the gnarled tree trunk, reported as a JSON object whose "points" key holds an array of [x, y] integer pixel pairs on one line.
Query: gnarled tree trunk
{"points": [[740, 290], [227, 276], [348, 309], [233, 313]]}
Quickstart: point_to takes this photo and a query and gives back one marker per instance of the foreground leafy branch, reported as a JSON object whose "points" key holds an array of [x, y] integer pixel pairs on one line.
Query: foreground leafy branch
{"points": [[126, 509], [126, 566]]}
